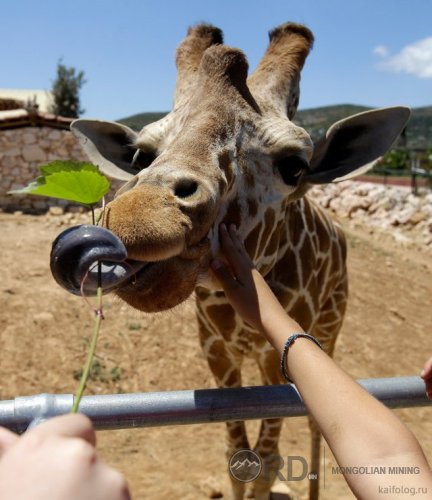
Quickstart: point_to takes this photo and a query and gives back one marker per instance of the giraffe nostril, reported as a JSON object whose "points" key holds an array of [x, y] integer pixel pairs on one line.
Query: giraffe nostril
{"points": [[185, 188]]}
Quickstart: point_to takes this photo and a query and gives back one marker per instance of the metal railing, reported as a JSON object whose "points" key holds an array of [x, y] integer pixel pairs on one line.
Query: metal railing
{"points": [[152, 409]]}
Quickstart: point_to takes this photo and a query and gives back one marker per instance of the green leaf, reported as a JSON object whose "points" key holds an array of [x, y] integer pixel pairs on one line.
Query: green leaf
{"points": [[69, 180]]}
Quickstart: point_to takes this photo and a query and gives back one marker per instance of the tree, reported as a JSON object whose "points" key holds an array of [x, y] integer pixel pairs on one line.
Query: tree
{"points": [[426, 161], [66, 89], [398, 159]]}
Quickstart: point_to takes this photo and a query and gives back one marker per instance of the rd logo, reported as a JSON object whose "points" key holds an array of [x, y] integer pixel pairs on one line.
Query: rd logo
{"points": [[245, 465]]}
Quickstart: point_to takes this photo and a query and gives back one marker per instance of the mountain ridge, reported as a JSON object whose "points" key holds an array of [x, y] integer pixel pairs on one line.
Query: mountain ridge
{"points": [[316, 121]]}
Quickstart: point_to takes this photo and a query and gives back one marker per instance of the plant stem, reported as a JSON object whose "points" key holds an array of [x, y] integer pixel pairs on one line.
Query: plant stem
{"points": [[90, 355], [102, 213], [93, 215]]}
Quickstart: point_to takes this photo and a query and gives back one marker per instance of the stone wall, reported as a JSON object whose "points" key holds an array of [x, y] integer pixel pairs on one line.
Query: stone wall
{"points": [[389, 208], [22, 151]]}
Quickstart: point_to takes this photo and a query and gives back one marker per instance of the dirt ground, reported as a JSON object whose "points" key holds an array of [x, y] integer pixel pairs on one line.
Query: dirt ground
{"points": [[44, 333]]}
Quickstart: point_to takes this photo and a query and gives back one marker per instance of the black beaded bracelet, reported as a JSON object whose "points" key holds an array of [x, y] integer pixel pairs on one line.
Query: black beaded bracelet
{"points": [[289, 342]]}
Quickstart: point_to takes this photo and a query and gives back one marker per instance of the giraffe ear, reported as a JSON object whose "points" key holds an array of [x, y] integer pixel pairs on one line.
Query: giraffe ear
{"points": [[354, 144], [109, 145]]}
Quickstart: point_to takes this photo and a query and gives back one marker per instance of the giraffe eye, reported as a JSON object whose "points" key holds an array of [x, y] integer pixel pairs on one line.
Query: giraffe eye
{"points": [[291, 169], [142, 160]]}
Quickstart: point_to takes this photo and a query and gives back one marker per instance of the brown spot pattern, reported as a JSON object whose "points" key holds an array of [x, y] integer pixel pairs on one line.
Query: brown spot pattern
{"points": [[252, 207], [302, 313], [269, 222], [223, 316], [251, 241], [233, 215], [287, 271]]}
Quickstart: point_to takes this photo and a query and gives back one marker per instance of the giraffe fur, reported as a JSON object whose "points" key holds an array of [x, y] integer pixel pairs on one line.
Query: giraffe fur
{"points": [[229, 151]]}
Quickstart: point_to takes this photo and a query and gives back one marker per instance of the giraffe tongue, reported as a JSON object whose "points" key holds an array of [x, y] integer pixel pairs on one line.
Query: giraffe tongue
{"points": [[113, 275], [76, 253]]}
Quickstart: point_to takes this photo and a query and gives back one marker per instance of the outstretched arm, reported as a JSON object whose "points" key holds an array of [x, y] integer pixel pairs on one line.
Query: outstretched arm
{"points": [[359, 429]]}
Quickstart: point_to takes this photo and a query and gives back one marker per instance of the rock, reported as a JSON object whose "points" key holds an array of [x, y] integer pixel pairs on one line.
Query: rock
{"points": [[401, 238], [61, 152], [12, 152], [378, 206], [43, 317], [56, 211], [403, 216], [8, 162], [33, 152], [417, 217], [40, 204], [54, 134], [211, 488], [29, 138], [76, 209]]}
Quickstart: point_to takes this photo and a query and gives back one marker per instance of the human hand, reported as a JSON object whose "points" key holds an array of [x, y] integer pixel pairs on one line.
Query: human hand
{"points": [[237, 280], [57, 460], [243, 285], [426, 375]]}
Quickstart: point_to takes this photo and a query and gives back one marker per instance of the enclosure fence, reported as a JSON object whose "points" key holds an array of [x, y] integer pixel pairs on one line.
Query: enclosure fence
{"points": [[152, 409]]}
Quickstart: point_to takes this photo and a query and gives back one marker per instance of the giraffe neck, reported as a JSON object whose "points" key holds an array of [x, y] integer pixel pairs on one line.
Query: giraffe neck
{"points": [[303, 261]]}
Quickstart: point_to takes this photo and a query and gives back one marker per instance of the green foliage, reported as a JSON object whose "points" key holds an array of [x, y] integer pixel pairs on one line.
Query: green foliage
{"points": [[99, 372], [426, 160], [140, 120], [66, 91], [134, 326], [397, 159], [69, 180]]}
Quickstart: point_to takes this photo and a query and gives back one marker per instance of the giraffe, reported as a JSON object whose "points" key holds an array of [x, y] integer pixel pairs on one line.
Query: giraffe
{"points": [[230, 152]]}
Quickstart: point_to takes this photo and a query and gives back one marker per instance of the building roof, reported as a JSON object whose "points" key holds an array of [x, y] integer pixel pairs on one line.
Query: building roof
{"points": [[16, 118], [42, 99], [28, 108]]}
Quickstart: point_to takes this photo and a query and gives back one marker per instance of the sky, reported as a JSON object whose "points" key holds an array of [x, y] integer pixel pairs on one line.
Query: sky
{"points": [[369, 52]]}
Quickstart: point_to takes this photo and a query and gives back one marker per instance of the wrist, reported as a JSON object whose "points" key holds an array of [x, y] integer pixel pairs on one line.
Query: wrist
{"points": [[277, 326], [303, 341]]}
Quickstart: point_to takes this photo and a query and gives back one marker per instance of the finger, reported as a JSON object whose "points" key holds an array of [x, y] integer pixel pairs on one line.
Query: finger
{"points": [[221, 272], [116, 482], [239, 260], [427, 370], [428, 385], [235, 240], [228, 247], [7, 439], [234, 251], [225, 239], [239, 244], [76, 425]]}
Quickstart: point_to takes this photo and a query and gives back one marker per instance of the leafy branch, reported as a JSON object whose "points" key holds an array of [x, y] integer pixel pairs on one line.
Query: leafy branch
{"points": [[83, 183], [69, 180]]}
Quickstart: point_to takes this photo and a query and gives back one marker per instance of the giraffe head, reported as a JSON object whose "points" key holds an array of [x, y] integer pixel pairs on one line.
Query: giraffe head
{"points": [[228, 151]]}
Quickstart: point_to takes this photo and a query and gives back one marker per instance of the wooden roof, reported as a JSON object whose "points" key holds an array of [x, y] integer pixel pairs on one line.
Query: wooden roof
{"points": [[16, 118]]}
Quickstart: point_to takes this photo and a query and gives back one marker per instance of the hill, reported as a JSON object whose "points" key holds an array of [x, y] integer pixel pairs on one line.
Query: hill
{"points": [[140, 120], [317, 120], [418, 133]]}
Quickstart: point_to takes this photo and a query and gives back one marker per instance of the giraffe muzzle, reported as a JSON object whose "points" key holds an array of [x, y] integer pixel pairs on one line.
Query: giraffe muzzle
{"points": [[76, 253]]}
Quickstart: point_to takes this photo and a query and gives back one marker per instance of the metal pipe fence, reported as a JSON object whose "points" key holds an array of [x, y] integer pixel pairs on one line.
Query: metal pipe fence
{"points": [[152, 409]]}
